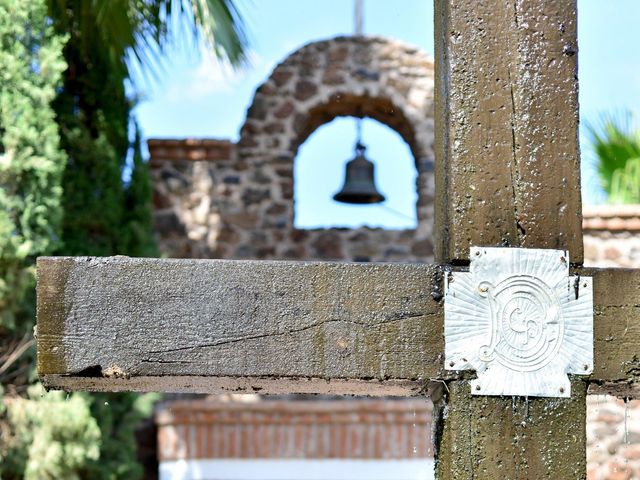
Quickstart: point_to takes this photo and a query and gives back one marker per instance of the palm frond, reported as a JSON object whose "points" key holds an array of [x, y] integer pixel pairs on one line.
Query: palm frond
{"points": [[616, 145], [145, 28], [625, 183]]}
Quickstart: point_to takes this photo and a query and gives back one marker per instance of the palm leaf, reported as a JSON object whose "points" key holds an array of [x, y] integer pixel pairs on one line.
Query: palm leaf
{"points": [[616, 145], [625, 183], [145, 28]]}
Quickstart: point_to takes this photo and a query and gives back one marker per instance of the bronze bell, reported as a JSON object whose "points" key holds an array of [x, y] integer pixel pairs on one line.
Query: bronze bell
{"points": [[359, 183]]}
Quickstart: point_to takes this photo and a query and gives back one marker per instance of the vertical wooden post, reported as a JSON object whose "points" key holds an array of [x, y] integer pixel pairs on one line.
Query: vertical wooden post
{"points": [[507, 173], [508, 169], [496, 438]]}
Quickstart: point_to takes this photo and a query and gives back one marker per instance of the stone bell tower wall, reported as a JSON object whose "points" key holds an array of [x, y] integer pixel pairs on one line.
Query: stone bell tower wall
{"points": [[218, 199]]}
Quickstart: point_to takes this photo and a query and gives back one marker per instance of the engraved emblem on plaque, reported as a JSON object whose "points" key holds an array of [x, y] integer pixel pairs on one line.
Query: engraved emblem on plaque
{"points": [[520, 321]]}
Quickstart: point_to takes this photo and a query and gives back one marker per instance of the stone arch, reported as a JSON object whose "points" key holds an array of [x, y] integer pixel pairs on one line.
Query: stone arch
{"points": [[374, 77]]}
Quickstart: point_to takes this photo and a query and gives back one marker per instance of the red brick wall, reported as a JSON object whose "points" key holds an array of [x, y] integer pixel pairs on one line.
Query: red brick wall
{"points": [[356, 429]]}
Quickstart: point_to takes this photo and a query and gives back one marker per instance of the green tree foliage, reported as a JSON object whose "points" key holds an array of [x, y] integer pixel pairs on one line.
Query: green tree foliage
{"points": [[33, 442], [31, 161], [68, 139], [616, 145], [95, 120], [103, 216], [52, 436], [71, 436], [118, 415], [146, 27], [139, 242]]}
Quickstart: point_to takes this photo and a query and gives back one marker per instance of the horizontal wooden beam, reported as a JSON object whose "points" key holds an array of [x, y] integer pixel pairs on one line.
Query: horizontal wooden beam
{"points": [[276, 327], [129, 319]]}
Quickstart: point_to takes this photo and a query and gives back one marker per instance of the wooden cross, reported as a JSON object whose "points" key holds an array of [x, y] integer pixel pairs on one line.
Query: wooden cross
{"points": [[507, 174]]}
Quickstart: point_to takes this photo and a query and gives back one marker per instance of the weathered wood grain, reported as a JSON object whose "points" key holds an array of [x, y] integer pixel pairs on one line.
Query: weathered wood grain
{"points": [[216, 325], [616, 299], [508, 162], [489, 438], [217, 384], [124, 318], [508, 173]]}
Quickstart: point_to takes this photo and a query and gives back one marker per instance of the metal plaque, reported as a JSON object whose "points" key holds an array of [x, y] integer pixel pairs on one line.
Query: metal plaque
{"points": [[520, 321]]}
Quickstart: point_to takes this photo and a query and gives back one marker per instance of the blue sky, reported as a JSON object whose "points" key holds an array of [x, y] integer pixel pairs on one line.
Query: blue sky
{"points": [[198, 97]]}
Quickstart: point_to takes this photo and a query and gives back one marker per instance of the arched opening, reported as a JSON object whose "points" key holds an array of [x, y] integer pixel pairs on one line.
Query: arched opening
{"points": [[319, 170], [357, 77]]}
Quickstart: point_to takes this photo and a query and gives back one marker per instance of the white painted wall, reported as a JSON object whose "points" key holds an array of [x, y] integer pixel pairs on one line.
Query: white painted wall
{"points": [[418, 469]]}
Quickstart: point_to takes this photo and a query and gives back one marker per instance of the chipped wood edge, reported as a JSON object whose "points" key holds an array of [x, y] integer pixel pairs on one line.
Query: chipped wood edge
{"points": [[217, 385]]}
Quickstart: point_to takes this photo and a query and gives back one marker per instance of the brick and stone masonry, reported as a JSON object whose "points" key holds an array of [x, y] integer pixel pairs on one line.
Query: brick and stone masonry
{"points": [[223, 199], [311, 429], [215, 199]]}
